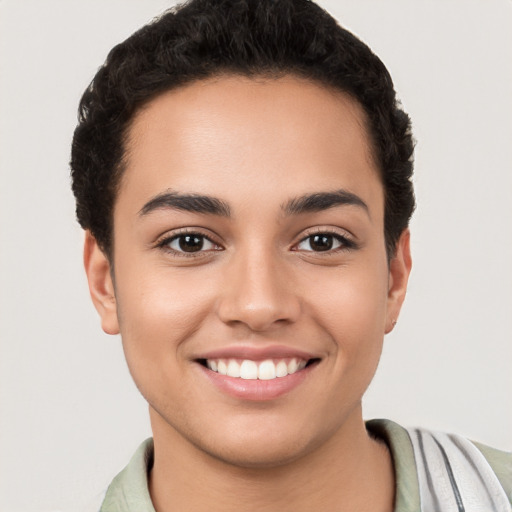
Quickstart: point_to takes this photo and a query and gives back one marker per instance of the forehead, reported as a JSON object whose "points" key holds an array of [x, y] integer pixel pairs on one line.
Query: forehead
{"points": [[235, 137]]}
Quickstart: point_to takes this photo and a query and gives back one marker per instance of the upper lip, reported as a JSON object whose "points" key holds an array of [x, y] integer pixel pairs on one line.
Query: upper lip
{"points": [[257, 353]]}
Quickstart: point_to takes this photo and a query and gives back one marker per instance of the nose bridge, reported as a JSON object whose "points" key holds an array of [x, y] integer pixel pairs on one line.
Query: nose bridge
{"points": [[257, 291]]}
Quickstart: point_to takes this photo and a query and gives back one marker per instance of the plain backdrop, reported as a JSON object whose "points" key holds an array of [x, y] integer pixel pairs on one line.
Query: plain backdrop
{"points": [[70, 417]]}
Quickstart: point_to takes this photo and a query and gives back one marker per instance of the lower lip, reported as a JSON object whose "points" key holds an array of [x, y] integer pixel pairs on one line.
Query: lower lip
{"points": [[255, 389]]}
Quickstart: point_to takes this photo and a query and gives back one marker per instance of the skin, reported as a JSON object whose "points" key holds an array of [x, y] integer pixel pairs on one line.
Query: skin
{"points": [[255, 145]]}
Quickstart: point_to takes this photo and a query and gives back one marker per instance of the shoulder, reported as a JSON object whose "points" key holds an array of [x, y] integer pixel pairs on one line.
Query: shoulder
{"points": [[450, 470], [453, 468], [129, 491], [501, 463]]}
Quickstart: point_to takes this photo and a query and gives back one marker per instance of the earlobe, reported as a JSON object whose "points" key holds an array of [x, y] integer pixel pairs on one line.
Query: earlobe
{"points": [[101, 287], [399, 271]]}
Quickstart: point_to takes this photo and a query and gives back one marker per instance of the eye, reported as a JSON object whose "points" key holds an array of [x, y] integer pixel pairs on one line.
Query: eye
{"points": [[190, 243], [323, 242]]}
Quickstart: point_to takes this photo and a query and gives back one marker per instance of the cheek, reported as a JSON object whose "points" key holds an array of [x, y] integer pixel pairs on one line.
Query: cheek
{"points": [[351, 309], [352, 303], [157, 311]]}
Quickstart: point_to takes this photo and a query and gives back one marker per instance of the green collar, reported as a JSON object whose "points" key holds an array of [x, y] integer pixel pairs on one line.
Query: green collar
{"points": [[407, 493]]}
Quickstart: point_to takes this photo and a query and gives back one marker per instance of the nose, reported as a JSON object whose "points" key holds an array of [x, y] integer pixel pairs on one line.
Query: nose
{"points": [[258, 292]]}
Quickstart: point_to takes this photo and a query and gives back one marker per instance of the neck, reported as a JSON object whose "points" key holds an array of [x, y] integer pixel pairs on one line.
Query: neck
{"points": [[350, 471]]}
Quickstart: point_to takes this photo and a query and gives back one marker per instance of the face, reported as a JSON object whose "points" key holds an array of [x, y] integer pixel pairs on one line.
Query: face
{"points": [[251, 284]]}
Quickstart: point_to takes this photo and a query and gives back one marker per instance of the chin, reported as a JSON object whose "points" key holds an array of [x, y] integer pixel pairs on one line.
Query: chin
{"points": [[258, 454], [263, 444]]}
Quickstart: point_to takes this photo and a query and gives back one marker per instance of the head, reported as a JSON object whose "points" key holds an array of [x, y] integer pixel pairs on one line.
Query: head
{"points": [[243, 172], [208, 38]]}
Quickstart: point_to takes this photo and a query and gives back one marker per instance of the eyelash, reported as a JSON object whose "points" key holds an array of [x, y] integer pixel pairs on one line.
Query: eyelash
{"points": [[345, 243]]}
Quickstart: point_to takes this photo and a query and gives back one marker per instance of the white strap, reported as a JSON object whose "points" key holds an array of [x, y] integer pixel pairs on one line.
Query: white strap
{"points": [[454, 476]]}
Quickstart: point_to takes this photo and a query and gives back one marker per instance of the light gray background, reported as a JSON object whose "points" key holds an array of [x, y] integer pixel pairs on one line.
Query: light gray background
{"points": [[70, 415]]}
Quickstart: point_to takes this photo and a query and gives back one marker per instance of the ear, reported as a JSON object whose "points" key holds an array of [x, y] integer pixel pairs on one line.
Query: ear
{"points": [[399, 271], [101, 287]]}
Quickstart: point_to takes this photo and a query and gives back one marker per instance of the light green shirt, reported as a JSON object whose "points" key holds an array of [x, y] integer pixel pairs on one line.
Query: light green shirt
{"points": [[129, 492]]}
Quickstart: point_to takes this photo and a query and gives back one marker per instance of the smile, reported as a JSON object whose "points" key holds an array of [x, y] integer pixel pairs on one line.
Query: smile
{"points": [[257, 373], [248, 369]]}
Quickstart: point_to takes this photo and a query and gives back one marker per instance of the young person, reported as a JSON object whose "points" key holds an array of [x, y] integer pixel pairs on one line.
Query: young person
{"points": [[243, 173]]}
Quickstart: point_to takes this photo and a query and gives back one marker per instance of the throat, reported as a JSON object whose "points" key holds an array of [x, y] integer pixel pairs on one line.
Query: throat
{"points": [[346, 473]]}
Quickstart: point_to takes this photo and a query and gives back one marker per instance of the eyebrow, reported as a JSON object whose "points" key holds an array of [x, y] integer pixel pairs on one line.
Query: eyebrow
{"points": [[319, 201], [186, 202], [198, 203]]}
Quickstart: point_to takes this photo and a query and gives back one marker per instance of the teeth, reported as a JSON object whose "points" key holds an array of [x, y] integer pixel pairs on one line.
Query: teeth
{"points": [[248, 370], [293, 366], [281, 369], [251, 370], [233, 369], [222, 368], [267, 370]]}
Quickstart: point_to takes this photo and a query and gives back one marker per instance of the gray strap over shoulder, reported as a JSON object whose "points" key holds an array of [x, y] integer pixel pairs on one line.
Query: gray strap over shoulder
{"points": [[454, 476]]}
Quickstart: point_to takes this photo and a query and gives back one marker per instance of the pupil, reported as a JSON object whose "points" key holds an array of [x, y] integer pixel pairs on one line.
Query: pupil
{"points": [[321, 242], [191, 243]]}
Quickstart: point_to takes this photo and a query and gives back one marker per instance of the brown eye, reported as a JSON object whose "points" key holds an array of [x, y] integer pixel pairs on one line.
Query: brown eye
{"points": [[189, 243], [323, 242]]}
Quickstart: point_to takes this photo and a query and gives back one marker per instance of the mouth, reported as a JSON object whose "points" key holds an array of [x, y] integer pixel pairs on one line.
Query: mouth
{"points": [[263, 373], [249, 369]]}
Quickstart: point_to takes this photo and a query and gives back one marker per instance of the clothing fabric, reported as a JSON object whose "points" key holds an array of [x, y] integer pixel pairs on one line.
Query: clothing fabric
{"points": [[433, 472], [437, 472]]}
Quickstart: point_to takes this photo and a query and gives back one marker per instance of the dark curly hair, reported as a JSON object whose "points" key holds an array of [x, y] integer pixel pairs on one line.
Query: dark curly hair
{"points": [[204, 38]]}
